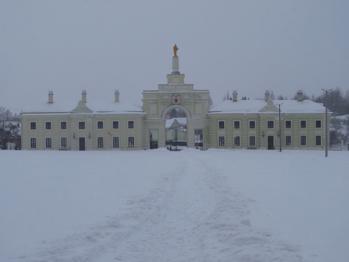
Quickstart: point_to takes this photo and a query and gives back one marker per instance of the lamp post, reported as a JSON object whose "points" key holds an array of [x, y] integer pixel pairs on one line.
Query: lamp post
{"points": [[326, 121], [280, 140]]}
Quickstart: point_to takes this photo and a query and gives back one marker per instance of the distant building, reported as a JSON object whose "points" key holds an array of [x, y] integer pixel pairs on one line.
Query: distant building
{"points": [[175, 114]]}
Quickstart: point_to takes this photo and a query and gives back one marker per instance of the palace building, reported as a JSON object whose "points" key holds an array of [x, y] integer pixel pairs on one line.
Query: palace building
{"points": [[175, 114]]}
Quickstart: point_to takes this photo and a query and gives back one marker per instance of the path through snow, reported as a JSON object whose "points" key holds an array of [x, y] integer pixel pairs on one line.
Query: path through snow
{"points": [[191, 215]]}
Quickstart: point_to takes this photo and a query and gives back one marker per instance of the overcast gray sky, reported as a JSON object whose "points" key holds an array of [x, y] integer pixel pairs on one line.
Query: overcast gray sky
{"points": [[101, 45]]}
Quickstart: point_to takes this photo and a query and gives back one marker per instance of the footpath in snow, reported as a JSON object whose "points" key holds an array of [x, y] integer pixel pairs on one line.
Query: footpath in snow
{"points": [[193, 206]]}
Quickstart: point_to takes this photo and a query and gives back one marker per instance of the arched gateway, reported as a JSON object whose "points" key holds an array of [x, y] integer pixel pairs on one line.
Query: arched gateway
{"points": [[176, 113]]}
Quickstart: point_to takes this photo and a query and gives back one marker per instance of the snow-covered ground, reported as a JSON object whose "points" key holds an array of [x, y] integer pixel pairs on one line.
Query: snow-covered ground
{"points": [[214, 205]]}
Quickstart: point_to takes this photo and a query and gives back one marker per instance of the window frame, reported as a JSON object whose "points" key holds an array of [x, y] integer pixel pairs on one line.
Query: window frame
{"points": [[286, 142], [301, 141], [32, 125], [63, 124], [116, 138], [100, 142], [234, 141], [221, 141], [82, 125], [65, 144], [254, 141], [219, 124], [100, 124], [33, 143], [301, 123], [48, 143], [316, 140], [288, 121], [239, 124], [131, 142], [115, 124], [130, 124], [48, 125], [272, 122], [316, 124], [254, 124]]}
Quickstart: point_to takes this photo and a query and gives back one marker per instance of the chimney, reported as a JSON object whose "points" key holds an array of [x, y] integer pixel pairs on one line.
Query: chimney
{"points": [[116, 96], [50, 97], [84, 96], [235, 96]]}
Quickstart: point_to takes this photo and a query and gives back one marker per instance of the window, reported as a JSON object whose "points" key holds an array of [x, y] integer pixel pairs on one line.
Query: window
{"points": [[48, 125], [48, 142], [115, 124], [81, 125], [237, 141], [303, 140], [32, 125], [318, 123], [221, 124], [63, 125], [318, 140], [32, 142], [270, 124], [288, 140], [100, 124], [116, 143], [63, 142], [221, 141], [252, 124], [303, 124], [252, 141], [131, 141], [236, 124], [131, 124], [288, 124], [100, 142]]}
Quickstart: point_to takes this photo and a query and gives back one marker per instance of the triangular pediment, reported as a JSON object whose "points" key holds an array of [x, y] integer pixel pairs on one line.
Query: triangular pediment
{"points": [[82, 108], [269, 107]]}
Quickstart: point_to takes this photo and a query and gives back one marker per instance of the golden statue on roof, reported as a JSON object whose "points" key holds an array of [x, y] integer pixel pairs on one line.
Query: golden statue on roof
{"points": [[175, 49]]}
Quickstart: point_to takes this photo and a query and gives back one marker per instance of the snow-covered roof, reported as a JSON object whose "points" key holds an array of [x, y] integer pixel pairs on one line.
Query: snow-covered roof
{"points": [[261, 106], [93, 106]]}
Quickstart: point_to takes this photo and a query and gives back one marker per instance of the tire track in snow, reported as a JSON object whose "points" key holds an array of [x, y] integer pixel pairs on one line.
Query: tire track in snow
{"points": [[88, 246], [228, 232]]}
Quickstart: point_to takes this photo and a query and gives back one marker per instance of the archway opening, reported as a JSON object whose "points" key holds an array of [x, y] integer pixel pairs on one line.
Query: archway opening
{"points": [[176, 122]]}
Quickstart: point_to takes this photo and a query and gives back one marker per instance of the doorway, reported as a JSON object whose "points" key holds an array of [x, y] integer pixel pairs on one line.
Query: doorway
{"points": [[176, 127], [271, 142], [82, 144]]}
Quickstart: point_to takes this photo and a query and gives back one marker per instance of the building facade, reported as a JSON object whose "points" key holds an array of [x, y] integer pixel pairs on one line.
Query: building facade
{"points": [[175, 114]]}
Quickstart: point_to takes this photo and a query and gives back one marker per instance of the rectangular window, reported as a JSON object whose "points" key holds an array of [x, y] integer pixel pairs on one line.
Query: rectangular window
{"points": [[252, 124], [63, 125], [48, 125], [33, 143], [81, 125], [288, 124], [221, 141], [303, 140], [116, 143], [130, 124], [303, 124], [237, 141], [318, 123], [32, 125], [221, 124], [318, 140], [48, 142], [115, 124], [63, 142], [236, 124], [131, 142], [288, 140], [100, 124], [252, 140], [270, 124], [100, 142]]}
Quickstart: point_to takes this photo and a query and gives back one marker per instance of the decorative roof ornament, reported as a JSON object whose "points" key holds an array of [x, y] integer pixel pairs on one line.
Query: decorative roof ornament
{"points": [[175, 50]]}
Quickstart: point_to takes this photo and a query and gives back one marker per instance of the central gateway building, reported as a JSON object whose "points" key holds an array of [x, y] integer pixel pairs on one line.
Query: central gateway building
{"points": [[175, 114]]}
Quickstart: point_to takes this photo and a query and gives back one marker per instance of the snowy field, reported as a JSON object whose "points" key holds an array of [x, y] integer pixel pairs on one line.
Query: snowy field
{"points": [[157, 206]]}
